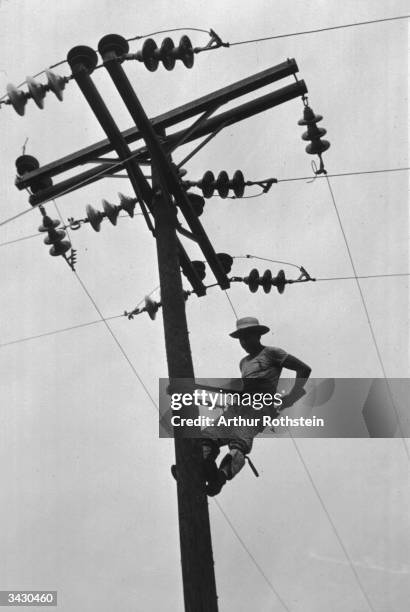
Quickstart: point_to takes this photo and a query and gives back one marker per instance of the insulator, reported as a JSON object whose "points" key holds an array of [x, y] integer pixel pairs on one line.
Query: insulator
{"points": [[185, 52], [82, 56], [37, 91], [94, 217], [279, 281], [200, 269], [313, 133], [127, 204], [60, 249], [148, 56], [151, 307], [18, 99], [207, 184], [222, 184], [238, 184], [266, 281], [317, 146], [56, 84], [309, 117], [166, 53], [111, 212], [226, 261], [48, 224], [26, 163], [253, 280], [197, 203], [55, 237]]}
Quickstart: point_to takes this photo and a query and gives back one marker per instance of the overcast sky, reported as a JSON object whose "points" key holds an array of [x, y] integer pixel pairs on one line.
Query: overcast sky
{"points": [[89, 506]]}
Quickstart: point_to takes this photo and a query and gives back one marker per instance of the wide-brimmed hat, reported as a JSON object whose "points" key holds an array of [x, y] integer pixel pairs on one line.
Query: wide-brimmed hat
{"points": [[248, 323]]}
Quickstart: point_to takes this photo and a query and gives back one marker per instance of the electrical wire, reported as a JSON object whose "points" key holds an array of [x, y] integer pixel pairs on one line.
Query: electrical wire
{"points": [[286, 263], [309, 179], [360, 172], [64, 329], [337, 278], [316, 31], [241, 42], [166, 31], [332, 524], [67, 227], [57, 331], [19, 239], [69, 190], [231, 304], [117, 342], [64, 61], [244, 546], [109, 329], [366, 311]]}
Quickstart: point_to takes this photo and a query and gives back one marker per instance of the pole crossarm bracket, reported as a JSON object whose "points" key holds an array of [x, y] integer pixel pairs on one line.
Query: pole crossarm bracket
{"points": [[172, 118]]}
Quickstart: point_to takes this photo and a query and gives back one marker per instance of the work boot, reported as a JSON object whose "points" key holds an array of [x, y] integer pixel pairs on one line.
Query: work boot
{"points": [[214, 486]]}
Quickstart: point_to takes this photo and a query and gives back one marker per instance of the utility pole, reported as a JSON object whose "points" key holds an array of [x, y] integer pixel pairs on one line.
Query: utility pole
{"points": [[194, 526], [160, 202]]}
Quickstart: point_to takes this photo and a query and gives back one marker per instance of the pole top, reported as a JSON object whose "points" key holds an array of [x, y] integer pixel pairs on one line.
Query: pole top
{"points": [[113, 43], [82, 56]]}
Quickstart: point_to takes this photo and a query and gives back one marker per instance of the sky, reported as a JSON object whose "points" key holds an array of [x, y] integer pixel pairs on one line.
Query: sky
{"points": [[89, 505]]}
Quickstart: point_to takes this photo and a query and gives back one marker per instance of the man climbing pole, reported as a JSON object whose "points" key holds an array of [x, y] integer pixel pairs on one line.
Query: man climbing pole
{"points": [[260, 371]]}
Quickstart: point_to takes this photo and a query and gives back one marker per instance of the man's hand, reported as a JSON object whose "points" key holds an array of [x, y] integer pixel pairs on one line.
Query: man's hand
{"points": [[302, 374]]}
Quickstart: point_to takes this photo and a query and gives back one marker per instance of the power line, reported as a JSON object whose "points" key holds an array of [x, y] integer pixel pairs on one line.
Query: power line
{"points": [[231, 304], [286, 263], [117, 342], [40, 233], [58, 331], [372, 332], [241, 42], [337, 278], [70, 189], [328, 29], [244, 546], [359, 172], [311, 179], [19, 239], [285, 180], [64, 329], [166, 31], [334, 528]]}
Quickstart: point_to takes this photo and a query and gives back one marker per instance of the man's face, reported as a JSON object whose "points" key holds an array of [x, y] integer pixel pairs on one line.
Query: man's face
{"points": [[250, 340]]}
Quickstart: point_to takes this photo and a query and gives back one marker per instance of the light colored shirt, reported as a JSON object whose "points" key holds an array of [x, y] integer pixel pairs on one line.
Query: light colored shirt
{"points": [[262, 372]]}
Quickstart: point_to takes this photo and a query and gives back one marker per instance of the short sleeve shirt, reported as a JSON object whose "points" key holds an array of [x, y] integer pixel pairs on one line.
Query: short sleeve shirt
{"points": [[263, 369]]}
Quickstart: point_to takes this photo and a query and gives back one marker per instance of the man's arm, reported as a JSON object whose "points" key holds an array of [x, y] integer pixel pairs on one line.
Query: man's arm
{"points": [[302, 374]]}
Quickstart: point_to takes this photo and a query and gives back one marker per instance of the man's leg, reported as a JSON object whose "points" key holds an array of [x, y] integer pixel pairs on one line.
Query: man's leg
{"points": [[234, 461], [210, 451]]}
